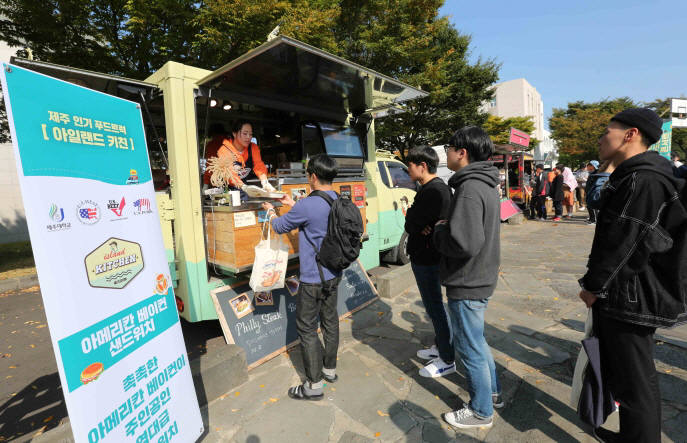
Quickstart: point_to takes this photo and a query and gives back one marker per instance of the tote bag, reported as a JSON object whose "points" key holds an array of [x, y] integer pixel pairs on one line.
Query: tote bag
{"points": [[271, 257]]}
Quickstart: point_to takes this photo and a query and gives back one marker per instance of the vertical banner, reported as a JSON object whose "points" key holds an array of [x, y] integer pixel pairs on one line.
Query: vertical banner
{"points": [[90, 208], [664, 145]]}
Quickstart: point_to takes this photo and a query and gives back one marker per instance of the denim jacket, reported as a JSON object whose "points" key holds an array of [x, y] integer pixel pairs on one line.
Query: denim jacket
{"points": [[636, 266]]}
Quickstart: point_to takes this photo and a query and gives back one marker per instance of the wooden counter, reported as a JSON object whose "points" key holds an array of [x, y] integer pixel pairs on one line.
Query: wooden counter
{"points": [[232, 232]]}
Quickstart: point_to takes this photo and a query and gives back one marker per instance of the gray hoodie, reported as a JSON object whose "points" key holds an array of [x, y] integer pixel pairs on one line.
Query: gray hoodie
{"points": [[469, 243]]}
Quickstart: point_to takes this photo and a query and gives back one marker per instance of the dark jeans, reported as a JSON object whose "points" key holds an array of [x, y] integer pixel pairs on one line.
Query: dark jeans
{"points": [[592, 214], [539, 203], [318, 300], [558, 208], [627, 364], [427, 278]]}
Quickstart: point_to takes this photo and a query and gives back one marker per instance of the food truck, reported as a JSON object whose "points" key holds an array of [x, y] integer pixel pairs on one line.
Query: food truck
{"points": [[516, 176], [301, 101]]}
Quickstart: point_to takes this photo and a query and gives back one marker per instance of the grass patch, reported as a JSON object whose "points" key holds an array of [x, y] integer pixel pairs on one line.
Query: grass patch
{"points": [[16, 259]]}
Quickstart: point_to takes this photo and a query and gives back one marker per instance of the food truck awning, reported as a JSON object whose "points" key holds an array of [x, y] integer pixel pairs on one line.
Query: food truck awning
{"points": [[110, 84], [288, 74]]}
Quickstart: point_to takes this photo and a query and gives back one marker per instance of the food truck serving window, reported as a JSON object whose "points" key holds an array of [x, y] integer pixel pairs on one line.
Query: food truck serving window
{"points": [[341, 141]]}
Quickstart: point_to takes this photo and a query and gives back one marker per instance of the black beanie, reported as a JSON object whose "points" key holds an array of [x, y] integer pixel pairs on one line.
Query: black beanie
{"points": [[644, 119]]}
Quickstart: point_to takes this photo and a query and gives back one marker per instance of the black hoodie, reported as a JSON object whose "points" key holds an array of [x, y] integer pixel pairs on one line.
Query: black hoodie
{"points": [[636, 266], [469, 243], [430, 205]]}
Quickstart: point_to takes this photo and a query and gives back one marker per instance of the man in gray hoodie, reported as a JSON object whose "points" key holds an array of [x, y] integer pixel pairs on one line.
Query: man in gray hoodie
{"points": [[469, 244]]}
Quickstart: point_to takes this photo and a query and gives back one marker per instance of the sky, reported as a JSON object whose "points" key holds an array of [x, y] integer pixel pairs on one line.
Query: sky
{"points": [[581, 49]]}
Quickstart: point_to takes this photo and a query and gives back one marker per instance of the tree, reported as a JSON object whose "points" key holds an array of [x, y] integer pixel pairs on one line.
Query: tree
{"points": [[407, 39], [498, 128], [577, 128]]}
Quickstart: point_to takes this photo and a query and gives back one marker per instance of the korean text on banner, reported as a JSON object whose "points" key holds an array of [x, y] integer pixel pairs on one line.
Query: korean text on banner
{"points": [[86, 184]]}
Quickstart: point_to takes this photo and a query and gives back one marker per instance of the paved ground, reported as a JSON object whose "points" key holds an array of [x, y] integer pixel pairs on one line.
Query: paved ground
{"points": [[534, 325]]}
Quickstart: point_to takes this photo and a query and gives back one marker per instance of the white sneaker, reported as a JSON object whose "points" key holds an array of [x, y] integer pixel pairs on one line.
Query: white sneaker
{"points": [[428, 354], [465, 419], [438, 368]]}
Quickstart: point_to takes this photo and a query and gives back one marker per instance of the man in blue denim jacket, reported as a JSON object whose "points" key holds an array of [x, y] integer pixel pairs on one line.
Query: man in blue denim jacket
{"points": [[634, 273]]}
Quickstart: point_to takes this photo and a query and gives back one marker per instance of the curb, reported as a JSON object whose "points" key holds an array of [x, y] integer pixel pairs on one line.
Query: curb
{"points": [[18, 283], [396, 281]]}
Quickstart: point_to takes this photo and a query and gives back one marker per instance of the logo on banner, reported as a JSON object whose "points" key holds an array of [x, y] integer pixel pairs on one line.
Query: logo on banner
{"points": [[88, 212], [114, 263], [117, 208], [133, 177], [161, 284], [56, 215], [142, 206]]}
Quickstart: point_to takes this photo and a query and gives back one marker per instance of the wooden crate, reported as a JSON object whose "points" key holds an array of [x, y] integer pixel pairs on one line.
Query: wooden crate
{"points": [[232, 248]]}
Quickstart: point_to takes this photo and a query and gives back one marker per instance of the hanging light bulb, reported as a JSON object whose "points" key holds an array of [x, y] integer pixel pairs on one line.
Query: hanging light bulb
{"points": [[213, 103], [226, 107]]}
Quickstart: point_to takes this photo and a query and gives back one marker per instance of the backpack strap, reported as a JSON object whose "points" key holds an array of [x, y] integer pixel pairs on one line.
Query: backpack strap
{"points": [[330, 202]]}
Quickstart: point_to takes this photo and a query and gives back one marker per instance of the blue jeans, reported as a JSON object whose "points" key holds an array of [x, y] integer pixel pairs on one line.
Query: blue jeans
{"points": [[467, 319], [427, 278]]}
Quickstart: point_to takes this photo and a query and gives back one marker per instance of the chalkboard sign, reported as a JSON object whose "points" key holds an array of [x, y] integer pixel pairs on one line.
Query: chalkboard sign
{"points": [[264, 324]]}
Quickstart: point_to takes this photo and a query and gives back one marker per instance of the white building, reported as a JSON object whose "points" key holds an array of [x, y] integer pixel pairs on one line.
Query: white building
{"points": [[517, 98], [12, 219], [546, 151]]}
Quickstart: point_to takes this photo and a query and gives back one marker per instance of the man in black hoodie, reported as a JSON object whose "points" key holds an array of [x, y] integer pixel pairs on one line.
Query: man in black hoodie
{"points": [[470, 247], [429, 206], [634, 278]]}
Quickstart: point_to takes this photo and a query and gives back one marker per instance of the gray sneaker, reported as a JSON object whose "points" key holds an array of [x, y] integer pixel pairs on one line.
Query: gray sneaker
{"points": [[466, 419], [497, 401]]}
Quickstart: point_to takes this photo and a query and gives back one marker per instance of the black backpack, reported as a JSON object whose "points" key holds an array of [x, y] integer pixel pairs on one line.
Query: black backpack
{"points": [[341, 245]]}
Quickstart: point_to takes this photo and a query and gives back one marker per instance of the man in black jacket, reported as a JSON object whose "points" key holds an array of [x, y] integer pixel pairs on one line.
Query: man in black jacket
{"points": [[540, 189], [635, 277], [557, 193], [429, 206]]}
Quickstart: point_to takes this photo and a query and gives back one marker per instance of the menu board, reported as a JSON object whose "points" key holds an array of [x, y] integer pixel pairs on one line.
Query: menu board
{"points": [[264, 324]]}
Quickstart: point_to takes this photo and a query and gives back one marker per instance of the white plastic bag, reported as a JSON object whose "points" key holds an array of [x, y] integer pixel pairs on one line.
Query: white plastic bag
{"points": [[581, 365], [271, 257]]}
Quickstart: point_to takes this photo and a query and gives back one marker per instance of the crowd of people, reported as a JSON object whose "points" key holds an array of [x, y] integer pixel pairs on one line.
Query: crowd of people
{"points": [[634, 281], [564, 188]]}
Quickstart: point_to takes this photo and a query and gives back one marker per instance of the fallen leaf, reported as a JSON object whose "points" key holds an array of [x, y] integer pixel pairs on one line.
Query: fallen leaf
{"points": [[235, 410], [273, 400], [377, 434], [262, 386], [668, 371], [437, 397], [502, 319], [381, 414], [34, 387], [539, 382], [400, 378], [333, 388], [6, 355], [13, 367], [555, 298], [9, 376], [32, 346], [47, 419], [40, 326], [529, 313], [380, 313], [367, 374], [237, 393]]}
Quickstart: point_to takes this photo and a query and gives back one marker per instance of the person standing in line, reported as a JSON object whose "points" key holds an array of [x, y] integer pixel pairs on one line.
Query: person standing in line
{"points": [[569, 186], [582, 176], [557, 193], [430, 205], [590, 170], [470, 248], [676, 159], [634, 279], [540, 189], [317, 294]]}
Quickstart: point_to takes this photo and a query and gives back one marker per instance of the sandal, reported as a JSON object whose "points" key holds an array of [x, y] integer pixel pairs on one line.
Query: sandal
{"points": [[298, 393]]}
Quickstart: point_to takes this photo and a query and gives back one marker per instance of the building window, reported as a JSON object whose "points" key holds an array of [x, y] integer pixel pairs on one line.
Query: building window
{"points": [[492, 103]]}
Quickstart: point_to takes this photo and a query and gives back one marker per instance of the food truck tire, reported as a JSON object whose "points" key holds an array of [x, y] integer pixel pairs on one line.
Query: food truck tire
{"points": [[401, 250]]}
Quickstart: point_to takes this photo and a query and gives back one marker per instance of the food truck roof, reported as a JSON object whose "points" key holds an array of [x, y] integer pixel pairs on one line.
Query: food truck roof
{"points": [[109, 84], [288, 74]]}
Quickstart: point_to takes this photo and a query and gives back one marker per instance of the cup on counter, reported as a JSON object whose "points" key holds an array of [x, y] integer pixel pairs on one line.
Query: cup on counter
{"points": [[235, 198]]}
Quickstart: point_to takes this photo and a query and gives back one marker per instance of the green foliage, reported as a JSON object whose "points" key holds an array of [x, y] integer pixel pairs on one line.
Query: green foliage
{"points": [[577, 128], [406, 39], [498, 128]]}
